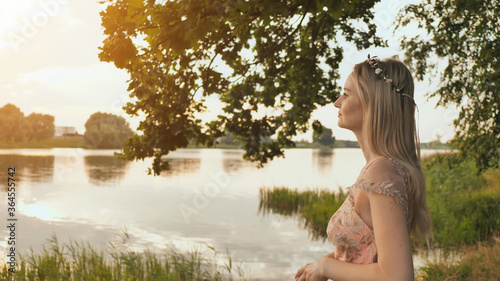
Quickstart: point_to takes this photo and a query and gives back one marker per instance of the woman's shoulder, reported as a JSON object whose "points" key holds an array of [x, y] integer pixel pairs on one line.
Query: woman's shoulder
{"points": [[382, 169], [384, 176]]}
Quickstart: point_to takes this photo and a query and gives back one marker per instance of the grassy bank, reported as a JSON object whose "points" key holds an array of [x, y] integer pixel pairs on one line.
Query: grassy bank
{"points": [[464, 206], [47, 143], [479, 263], [314, 208], [80, 261]]}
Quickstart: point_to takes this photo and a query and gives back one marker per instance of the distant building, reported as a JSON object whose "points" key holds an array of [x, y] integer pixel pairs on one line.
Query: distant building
{"points": [[66, 132]]}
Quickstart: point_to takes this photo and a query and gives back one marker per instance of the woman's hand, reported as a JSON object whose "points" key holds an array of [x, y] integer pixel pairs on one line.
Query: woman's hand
{"points": [[312, 271], [300, 271]]}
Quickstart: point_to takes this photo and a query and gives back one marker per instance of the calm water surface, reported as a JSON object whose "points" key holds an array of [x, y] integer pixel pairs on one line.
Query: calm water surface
{"points": [[209, 196]]}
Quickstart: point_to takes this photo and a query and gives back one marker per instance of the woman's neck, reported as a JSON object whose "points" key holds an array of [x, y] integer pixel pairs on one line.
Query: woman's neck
{"points": [[368, 152]]}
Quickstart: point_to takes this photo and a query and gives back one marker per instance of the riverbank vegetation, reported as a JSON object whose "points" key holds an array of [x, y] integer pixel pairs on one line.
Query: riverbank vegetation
{"points": [[16, 127], [79, 143], [46, 143], [117, 261], [478, 263], [313, 208], [463, 205]]}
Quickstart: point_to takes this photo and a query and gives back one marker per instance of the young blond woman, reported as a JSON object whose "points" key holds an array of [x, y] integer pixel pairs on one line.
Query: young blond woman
{"points": [[371, 230]]}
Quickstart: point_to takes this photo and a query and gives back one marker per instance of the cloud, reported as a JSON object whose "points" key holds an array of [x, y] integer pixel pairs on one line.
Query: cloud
{"points": [[56, 68]]}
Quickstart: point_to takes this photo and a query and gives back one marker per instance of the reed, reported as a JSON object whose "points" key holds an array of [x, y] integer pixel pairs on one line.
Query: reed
{"points": [[80, 261], [314, 208], [479, 263], [463, 203]]}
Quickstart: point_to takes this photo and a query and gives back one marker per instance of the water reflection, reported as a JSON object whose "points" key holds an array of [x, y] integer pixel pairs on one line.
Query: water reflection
{"points": [[34, 168], [323, 159], [316, 232], [232, 161], [278, 202], [274, 243], [105, 170], [289, 209], [182, 166]]}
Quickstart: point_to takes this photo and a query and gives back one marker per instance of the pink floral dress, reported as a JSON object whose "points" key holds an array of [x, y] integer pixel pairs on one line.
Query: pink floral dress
{"points": [[354, 241]]}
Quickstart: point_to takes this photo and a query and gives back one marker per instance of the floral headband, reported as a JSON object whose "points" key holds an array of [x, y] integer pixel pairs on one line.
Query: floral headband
{"points": [[373, 61]]}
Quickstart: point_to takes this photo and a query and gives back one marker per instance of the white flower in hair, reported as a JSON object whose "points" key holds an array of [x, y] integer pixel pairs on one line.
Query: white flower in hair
{"points": [[378, 71]]}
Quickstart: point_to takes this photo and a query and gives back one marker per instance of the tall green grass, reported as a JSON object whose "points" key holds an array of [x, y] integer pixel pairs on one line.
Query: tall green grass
{"points": [[80, 261], [464, 205], [314, 208], [479, 263], [46, 143]]}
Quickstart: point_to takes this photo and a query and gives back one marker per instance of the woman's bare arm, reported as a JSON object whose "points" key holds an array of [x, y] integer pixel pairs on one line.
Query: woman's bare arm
{"points": [[391, 239], [393, 247]]}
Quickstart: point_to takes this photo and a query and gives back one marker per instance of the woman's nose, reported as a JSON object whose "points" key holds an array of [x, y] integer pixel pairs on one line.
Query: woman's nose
{"points": [[337, 103]]}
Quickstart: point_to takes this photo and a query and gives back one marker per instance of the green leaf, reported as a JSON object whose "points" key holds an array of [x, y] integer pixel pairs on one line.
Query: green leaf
{"points": [[251, 54]]}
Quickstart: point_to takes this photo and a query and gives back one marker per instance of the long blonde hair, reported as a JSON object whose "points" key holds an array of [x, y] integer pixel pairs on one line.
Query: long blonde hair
{"points": [[390, 129]]}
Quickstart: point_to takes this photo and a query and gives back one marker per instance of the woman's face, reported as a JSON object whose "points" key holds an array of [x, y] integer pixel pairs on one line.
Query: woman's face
{"points": [[349, 105]]}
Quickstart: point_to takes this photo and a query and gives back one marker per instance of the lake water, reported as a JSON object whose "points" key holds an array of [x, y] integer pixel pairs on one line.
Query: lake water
{"points": [[209, 196]]}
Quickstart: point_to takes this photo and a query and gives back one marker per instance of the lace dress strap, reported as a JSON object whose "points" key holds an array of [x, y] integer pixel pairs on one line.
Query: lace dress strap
{"points": [[384, 188], [385, 180]]}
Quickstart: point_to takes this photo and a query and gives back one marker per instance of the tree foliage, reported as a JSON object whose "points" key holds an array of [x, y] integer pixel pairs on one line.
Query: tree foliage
{"points": [[42, 126], [277, 56], [466, 35], [15, 127], [228, 139], [325, 137], [13, 124], [106, 130]]}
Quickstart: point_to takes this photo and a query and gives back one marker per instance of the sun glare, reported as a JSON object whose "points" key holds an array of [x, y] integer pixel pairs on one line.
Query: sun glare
{"points": [[12, 14], [42, 212]]}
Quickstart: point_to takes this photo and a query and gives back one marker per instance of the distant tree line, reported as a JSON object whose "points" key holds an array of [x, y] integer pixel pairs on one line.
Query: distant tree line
{"points": [[102, 130], [15, 127], [324, 137], [106, 130]]}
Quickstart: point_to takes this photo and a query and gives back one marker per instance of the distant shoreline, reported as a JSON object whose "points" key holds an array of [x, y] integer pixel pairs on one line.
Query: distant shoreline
{"points": [[78, 143], [47, 143]]}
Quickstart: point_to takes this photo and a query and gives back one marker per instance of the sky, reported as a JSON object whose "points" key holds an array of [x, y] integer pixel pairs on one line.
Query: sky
{"points": [[49, 64]]}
